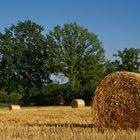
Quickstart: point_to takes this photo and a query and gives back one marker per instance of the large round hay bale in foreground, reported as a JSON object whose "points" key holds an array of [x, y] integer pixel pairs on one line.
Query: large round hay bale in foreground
{"points": [[77, 103], [116, 104]]}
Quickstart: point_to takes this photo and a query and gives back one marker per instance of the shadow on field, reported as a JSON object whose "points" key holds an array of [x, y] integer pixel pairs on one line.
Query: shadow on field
{"points": [[64, 125]]}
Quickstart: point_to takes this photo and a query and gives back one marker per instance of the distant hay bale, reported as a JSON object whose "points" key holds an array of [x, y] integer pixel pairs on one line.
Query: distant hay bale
{"points": [[14, 107], [77, 103], [116, 104]]}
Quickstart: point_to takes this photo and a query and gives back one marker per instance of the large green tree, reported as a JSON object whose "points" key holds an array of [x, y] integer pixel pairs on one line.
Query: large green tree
{"points": [[76, 53], [128, 60], [23, 52]]}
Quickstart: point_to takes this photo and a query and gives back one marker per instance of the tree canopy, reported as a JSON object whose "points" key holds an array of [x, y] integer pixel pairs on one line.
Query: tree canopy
{"points": [[128, 60], [77, 54], [28, 59], [23, 52]]}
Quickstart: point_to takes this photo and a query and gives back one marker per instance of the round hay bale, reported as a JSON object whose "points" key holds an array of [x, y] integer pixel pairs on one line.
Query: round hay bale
{"points": [[14, 107], [77, 103], [116, 104]]}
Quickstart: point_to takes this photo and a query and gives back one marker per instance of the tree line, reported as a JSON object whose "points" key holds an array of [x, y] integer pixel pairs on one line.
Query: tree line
{"points": [[28, 58]]}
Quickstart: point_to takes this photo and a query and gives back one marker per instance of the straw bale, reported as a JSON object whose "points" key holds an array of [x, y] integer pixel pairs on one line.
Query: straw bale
{"points": [[14, 107], [116, 104], [77, 103]]}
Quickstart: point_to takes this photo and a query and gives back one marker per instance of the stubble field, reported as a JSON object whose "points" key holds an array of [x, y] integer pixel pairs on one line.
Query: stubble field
{"points": [[55, 123]]}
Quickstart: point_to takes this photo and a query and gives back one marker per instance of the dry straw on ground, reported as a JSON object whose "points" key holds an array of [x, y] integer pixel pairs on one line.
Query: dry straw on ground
{"points": [[14, 107], [116, 104], [77, 103]]}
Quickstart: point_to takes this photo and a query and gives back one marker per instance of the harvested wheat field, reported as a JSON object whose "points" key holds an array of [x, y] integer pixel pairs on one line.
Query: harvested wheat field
{"points": [[55, 123], [116, 104]]}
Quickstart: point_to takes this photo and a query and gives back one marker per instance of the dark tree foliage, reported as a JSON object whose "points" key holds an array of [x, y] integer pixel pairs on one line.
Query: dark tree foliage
{"points": [[23, 51], [128, 60], [77, 54], [109, 67], [28, 59]]}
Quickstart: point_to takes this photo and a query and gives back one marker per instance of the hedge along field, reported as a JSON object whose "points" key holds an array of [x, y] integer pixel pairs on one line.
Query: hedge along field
{"points": [[55, 123]]}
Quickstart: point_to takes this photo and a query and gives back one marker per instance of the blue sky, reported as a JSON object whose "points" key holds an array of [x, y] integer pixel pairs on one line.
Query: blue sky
{"points": [[116, 22]]}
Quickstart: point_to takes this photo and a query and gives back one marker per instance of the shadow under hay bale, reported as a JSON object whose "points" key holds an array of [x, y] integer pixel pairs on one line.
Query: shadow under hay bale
{"points": [[14, 107], [77, 103], [116, 104]]}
